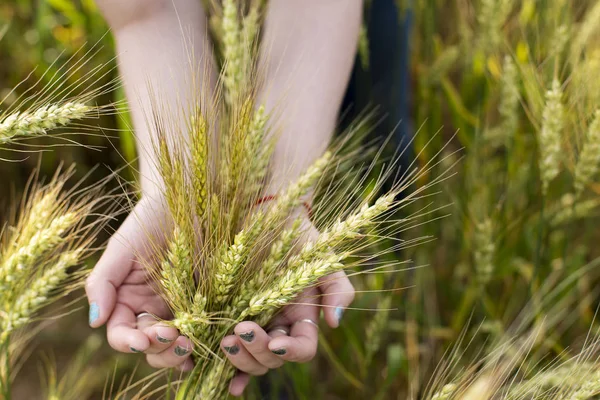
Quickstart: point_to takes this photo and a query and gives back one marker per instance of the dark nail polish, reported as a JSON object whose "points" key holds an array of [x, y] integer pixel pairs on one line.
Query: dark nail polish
{"points": [[279, 352], [181, 351], [162, 339], [133, 349], [94, 313], [233, 350], [247, 336]]}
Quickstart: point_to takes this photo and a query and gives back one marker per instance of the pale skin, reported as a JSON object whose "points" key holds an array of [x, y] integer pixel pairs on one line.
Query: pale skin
{"points": [[308, 54]]}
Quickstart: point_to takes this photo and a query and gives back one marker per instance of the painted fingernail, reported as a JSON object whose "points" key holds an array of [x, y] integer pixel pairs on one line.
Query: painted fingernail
{"points": [[134, 350], [162, 339], [247, 336], [181, 351], [279, 352], [94, 313], [339, 313], [233, 350]]}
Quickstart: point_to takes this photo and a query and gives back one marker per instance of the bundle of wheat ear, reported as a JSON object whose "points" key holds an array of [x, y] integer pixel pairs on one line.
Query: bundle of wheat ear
{"points": [[233, 252]]}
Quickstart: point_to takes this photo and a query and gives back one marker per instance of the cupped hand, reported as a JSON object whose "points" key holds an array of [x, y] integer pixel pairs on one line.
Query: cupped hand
{"points": [[120, 294], [293, 335]]}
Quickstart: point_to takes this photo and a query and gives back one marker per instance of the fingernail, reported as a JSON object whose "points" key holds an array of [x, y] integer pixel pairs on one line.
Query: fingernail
{"points": [[94, 313], [133, 349], [279, 352], [162, 339], [247, 336], [339, 313], [181, 351], [233, 350]]}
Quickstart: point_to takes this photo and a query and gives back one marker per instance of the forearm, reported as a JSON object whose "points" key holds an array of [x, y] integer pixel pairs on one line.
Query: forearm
{"points": [[165, 59], [308, 50]]}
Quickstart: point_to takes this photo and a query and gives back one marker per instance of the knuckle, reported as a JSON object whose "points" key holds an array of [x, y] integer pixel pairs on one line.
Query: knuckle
{"points": [[260, 371], [153, 362], [113, 343], [274, 364], [89, 282]]}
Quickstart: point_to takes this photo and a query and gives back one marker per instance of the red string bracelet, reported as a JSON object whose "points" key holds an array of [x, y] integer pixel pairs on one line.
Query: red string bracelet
{"points": [[271, 197]]}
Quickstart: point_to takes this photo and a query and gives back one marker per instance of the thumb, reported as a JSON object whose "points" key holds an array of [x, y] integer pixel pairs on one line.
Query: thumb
{"points": [[337, 290], [116, 263]]}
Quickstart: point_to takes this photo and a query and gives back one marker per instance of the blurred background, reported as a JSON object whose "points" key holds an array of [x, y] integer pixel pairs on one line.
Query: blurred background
{"points": [[466, 77]]}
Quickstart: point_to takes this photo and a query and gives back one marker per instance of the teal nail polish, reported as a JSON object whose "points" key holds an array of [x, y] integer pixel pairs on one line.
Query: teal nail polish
{"points": [[247, 336], [339, 313], [94, 313], [162, 339], [279, 352], [233, 350], [133, 349], [181, 351]]}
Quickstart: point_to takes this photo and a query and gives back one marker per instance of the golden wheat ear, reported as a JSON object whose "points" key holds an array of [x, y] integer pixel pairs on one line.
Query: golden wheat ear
{"points": [[60, 106], [53, 234]]}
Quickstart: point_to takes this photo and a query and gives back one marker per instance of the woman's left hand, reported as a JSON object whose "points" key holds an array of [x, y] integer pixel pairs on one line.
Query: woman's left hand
{"points": [[293, 334]]}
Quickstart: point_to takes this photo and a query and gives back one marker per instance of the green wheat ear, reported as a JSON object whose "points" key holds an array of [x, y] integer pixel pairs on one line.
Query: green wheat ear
{"points": [[550, 135], [589, 158], [39, 121]]}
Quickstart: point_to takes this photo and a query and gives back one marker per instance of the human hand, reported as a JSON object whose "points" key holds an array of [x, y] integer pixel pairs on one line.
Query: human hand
{"points": [[293, 334], [120, 294]]}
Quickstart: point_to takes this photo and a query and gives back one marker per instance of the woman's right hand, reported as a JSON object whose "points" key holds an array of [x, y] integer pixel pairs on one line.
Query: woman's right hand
{"points": [[121, 296]]}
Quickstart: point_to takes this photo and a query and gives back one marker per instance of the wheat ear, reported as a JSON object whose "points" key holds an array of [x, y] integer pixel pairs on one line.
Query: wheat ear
{"points": [[39, 244], [589, 159], [199, 134], [343, 230], [279, 250], [233, 257], [484, 250], [509, 98], [177, 269], [37, 294], [445, 393], [550, 135], [232, 50], [216, 380], [39, 121]]}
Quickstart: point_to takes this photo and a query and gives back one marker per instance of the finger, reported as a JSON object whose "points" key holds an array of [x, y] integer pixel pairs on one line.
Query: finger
{"points": [[117, 260], [238, 384], [108, 274], [256, 341], [240, 357], [161, 336], [122, 334], [338, 294], [174, 355], [301, 345], [187, 365]]}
